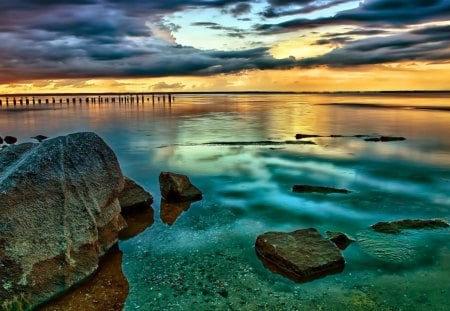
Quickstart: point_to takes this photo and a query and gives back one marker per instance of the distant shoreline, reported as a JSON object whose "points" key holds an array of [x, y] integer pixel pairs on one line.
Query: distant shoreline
{"points": [[233, 93]]}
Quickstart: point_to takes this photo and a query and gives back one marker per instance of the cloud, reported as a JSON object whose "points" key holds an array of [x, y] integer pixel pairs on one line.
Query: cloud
{"points": [[429, 44], [83, 39], [279, 8], [48, 39], [229, 31], [240, 9], [371, 13], [167, 86]]}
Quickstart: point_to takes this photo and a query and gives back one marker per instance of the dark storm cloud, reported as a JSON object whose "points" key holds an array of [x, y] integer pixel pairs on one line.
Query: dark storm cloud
{"points": [[76, 39], [335, 40], [110, 38], [240, 9], [346, 37], [429, 44], [358, 32], [372, 13], [83, 60], [285, 8]]}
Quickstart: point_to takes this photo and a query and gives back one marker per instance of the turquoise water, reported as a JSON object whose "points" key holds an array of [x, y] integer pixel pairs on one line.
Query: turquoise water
{"points": [[205, 260]]}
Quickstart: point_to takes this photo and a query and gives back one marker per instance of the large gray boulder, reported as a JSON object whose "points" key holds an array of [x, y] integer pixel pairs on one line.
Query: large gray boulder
{"points": [[301, 255], [59, 212]]}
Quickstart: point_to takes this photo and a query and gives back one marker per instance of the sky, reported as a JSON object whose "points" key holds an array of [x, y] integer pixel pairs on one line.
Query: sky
{"points": [[223, 45]]}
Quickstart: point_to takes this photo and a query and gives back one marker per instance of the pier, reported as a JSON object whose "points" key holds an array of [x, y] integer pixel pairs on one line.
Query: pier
{"points": [[18, 100]]}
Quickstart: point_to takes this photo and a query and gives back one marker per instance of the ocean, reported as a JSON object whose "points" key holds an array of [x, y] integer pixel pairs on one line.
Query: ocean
{"points": [[240, 150]]}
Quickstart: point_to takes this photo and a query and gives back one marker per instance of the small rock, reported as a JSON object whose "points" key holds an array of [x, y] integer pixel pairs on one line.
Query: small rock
{"points": [[39, 138], [319, 189], [1, 140], [340, 239], [301, 255], [385, 139], [389, 138], [300, 136], [394, 227], [374, 139], [10, 140], [134, 197], [178, 188]]}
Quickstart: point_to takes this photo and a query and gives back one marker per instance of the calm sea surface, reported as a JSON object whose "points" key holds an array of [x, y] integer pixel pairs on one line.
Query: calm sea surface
{"points": [[233, 147]]}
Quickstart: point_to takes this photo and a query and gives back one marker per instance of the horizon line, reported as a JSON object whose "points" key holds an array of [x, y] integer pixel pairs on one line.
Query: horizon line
{"points": [[222, 92]]}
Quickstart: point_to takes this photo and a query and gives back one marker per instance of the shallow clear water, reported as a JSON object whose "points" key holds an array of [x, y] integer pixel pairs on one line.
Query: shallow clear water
{"points": [[205, 260]]}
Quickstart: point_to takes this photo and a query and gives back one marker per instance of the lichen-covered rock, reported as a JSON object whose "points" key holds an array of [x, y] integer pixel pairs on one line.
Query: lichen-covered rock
{"points": [[301, 255], [178, 188], [59, 212], [396, 226], [134, 197]]}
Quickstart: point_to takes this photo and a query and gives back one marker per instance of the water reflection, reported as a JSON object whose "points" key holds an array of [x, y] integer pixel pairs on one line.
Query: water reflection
{"points": [[137, 222], [107, 289], [170, 211], [206, 259]]}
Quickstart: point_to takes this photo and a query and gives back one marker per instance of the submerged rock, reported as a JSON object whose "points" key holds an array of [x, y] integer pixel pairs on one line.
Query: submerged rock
{"points": [[340, 239], [318, 189], [385, 139], [300, 136], [374, 139], [59, 212], [301, 255], [134, 197], [39, 138], [396, 226], [390, 138], [178, 188]]}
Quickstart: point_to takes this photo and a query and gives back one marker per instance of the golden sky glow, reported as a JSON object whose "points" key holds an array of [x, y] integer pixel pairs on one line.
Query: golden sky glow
{"points": [[401, 76]]}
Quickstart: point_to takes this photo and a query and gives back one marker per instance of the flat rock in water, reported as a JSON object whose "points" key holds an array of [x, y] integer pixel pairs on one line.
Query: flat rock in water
{"points": [[178, 188], [301, 255], [318, 189], [397, 226], [134, 197]]}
